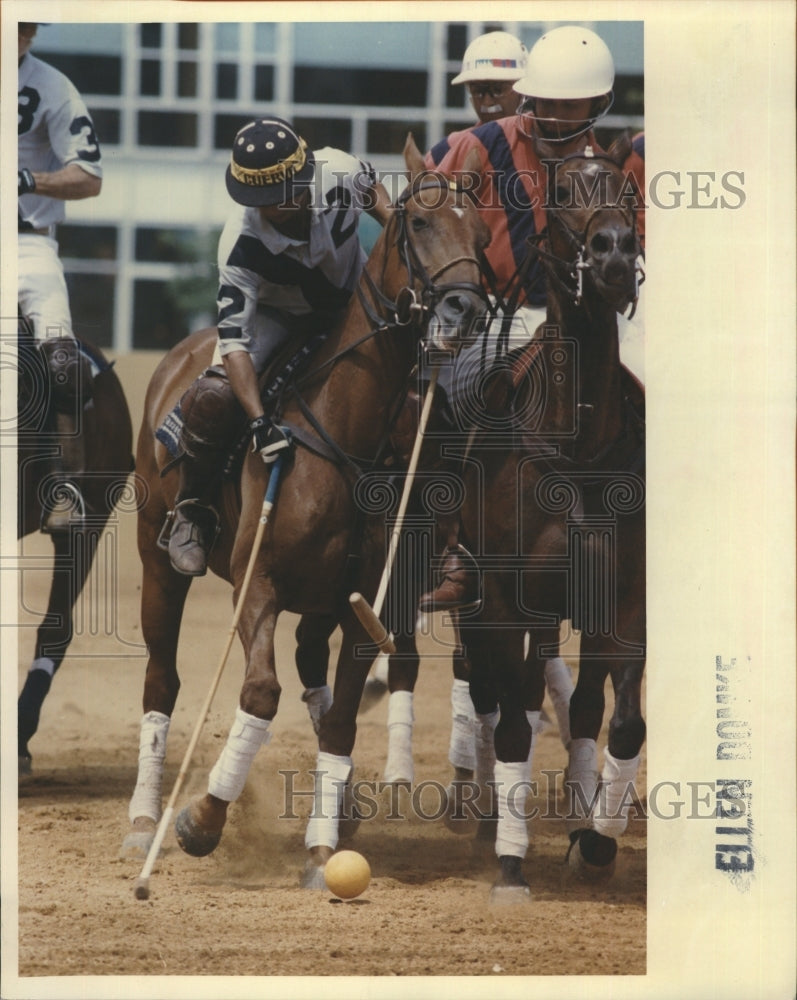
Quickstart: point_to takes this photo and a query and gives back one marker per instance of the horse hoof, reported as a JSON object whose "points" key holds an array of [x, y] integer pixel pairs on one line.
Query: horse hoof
{"points": [[24, 765], [591, 856], [510, 895], [313, 876], [510, 888], [192, 838], [136, 845]]}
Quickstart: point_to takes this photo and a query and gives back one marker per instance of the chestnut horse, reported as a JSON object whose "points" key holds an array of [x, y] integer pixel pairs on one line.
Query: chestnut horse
{"points": [[321, 543], [107, 440], [554, 512]]}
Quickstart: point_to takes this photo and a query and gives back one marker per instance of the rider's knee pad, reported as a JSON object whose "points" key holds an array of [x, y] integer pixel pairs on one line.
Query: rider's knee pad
{"points": [[211, 414], [70, 375]]}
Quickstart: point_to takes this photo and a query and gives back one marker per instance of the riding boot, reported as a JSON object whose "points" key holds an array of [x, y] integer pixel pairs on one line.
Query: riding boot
{"points": [[65, 507], [211, 416], [70, 387], [458, 586]]}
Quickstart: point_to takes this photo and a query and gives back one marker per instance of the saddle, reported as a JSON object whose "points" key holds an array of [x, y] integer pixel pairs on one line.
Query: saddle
{"points": [[280, 373]]}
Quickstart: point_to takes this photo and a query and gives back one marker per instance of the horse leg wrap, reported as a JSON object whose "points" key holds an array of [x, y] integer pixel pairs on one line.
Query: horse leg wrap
{"points": [[318, 701], [400, 717], [512, 785], [617, 779], [35, 690], [581, 785], [461, 750], [559, 682], [146, 798], [332, 773], [247, 735]]}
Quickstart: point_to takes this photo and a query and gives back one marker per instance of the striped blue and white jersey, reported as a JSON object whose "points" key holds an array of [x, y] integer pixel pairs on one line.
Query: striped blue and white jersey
{"points": [[258, 265]]}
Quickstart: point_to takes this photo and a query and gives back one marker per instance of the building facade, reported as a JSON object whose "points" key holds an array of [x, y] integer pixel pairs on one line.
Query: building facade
{"points": [[167, 99]]}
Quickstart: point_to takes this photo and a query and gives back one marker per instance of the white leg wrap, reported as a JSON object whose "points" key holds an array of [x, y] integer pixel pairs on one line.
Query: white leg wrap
{"points": [[318, 701], [611, 815], [559, 682], [400, 717], [461, 750], [146, 798], [582, 771], [322, 827], [43, 663], [247, 735], [512, 788]]}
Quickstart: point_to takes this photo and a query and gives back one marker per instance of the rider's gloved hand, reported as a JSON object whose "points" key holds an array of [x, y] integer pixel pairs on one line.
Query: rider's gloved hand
{"points": [[25, 182], [267, 439]]}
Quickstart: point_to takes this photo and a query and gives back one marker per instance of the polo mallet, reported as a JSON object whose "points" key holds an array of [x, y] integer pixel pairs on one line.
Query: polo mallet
{"points": [[369, 616], [141, 889]]}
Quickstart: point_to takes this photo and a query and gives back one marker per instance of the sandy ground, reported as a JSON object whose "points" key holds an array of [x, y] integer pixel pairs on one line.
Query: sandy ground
{"points": [[240, 912]]}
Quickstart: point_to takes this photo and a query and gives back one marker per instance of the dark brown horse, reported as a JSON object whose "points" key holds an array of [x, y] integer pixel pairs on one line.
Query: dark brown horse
{"points": [[554, 512], [107, 438], [421, 284]]}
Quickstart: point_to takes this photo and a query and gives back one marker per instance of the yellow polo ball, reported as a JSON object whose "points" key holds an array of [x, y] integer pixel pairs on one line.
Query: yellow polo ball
{"points": [[347, 874]]}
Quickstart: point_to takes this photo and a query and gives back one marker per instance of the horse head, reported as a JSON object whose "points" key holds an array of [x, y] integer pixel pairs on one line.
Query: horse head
{"points": [[592, 225], [431, 257]]}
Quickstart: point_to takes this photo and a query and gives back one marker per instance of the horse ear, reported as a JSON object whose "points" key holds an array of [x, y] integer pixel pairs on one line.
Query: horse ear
{"points": [[620, 149], [470, 174], [413, 157]]}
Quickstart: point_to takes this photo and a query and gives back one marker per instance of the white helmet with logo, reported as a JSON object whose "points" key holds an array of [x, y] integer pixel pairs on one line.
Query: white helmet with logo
{"points": [[494, 56], [567, 63]]}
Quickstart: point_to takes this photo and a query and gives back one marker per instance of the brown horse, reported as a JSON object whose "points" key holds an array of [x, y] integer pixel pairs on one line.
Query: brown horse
{"points": [[107, 438], [554, 511], [321, 543]]}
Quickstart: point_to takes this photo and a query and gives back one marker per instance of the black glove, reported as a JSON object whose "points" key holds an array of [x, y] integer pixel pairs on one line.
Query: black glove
{"points": [[25, 182], [268, 439]]}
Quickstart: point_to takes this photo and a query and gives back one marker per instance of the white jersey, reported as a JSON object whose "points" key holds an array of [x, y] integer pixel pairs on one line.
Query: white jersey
{"points": [[54, 129], [260, 266]]}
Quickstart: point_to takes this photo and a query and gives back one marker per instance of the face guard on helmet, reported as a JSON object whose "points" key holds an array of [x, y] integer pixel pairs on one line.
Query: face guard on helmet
{"points": [[567, 86]]}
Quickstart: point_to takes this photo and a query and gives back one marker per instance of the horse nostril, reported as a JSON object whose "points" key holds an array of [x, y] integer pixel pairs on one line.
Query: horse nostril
{"points": [[455, 304], [601, 244]]}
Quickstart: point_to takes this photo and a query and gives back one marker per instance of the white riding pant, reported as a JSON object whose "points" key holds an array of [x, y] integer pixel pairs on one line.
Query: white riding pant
{"points": [[473, 361], [42, 295]]}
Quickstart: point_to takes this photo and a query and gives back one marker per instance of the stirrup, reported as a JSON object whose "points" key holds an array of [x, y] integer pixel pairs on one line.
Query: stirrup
{"points": [[168, 524], [65, 492]]}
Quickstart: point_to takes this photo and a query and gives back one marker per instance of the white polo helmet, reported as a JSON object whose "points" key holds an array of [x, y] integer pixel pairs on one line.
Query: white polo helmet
{"points": [[494, 56], [568, 63]]}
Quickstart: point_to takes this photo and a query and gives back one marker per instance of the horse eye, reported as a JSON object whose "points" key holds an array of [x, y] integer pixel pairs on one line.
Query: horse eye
{"points": [[418, 223]]}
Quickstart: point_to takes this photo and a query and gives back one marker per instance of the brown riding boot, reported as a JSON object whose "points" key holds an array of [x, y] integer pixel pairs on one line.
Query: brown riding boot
{"points": [[64, 507], [458, 587], [212, 417], [193, 533]]}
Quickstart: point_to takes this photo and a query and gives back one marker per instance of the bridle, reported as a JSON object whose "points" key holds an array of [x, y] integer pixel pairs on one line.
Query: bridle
{"points": [[418, 298], [568, 271]]}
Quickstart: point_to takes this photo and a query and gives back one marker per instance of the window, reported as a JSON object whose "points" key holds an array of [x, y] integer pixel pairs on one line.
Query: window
{"points": [[320, 132], [167, 128], [226, 81], [382, 87], [151, 35]]}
